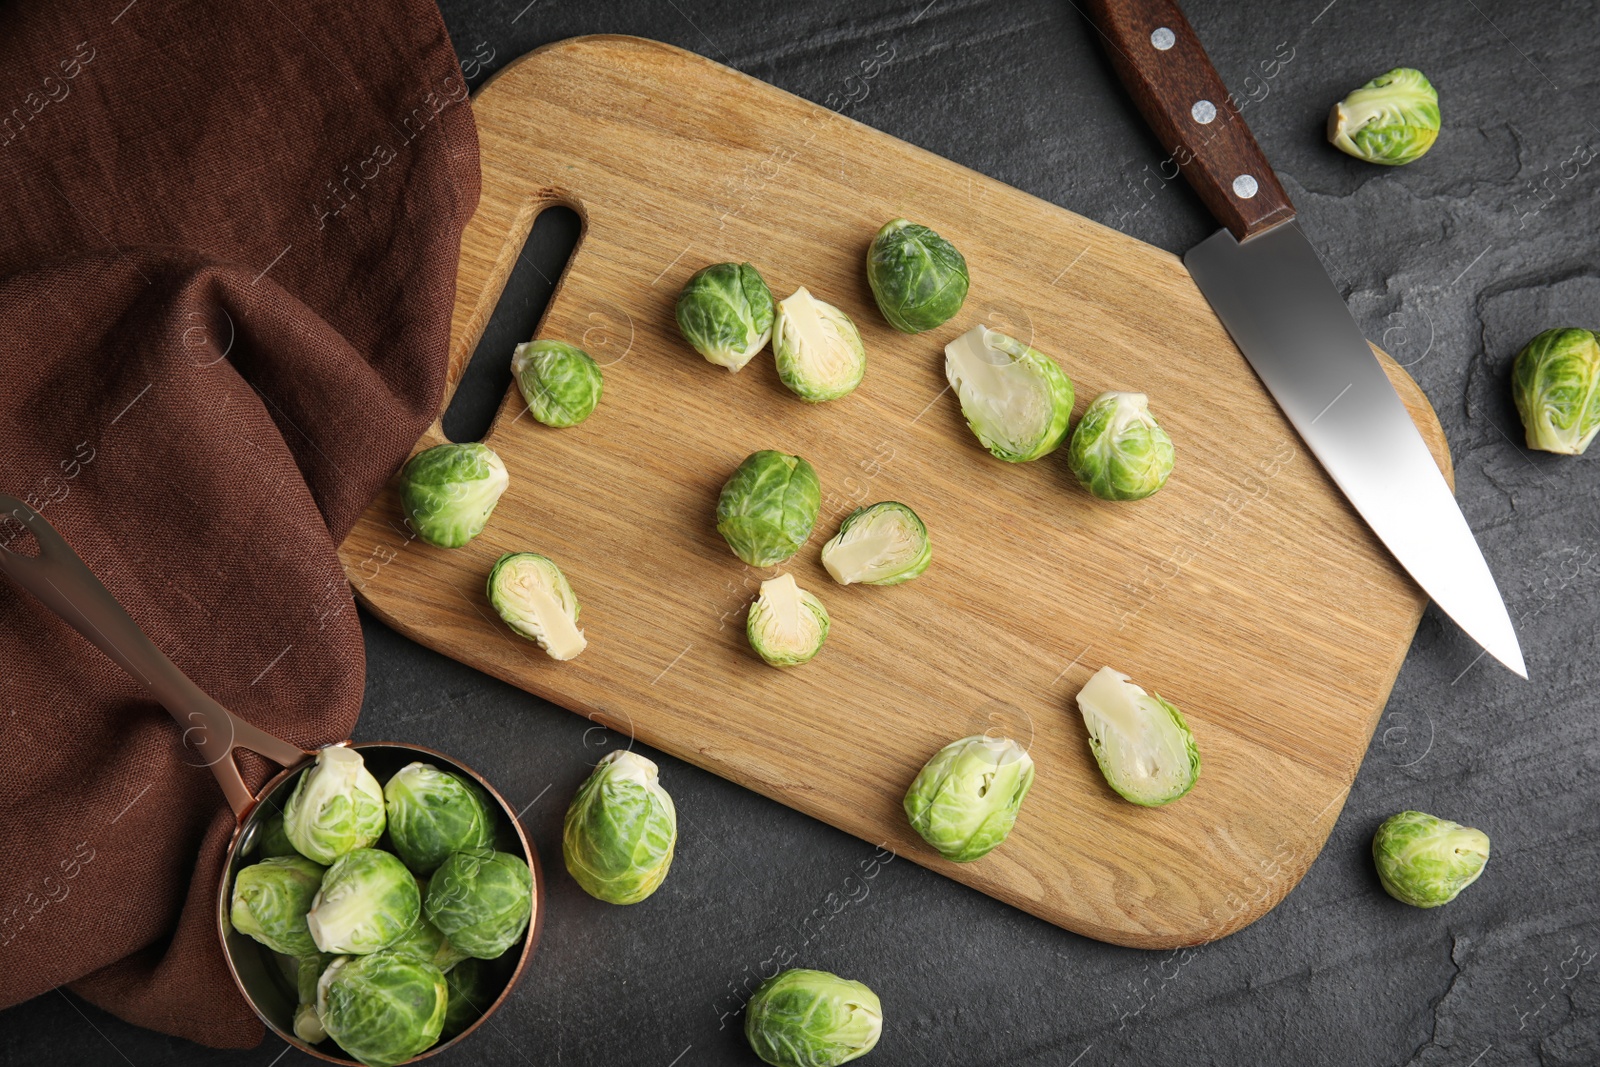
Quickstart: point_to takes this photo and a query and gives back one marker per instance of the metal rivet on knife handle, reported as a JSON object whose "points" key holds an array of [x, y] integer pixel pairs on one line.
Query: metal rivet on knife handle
{"points": [[1203, 111], [1244, 186], [1162, 39]]}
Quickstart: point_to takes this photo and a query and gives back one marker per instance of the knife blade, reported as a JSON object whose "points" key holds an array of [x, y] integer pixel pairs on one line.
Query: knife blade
{"points": [[1271, 291]]}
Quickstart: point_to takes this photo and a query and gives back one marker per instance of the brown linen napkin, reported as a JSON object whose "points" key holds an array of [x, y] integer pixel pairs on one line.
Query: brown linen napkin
{"points": [[228, 245]]}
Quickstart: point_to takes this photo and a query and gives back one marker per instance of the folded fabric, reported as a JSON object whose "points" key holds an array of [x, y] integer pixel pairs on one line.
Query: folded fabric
{"points": [[227, 260]]}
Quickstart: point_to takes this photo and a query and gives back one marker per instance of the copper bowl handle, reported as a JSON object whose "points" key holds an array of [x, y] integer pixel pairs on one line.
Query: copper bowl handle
{"points": [[65, 585]]}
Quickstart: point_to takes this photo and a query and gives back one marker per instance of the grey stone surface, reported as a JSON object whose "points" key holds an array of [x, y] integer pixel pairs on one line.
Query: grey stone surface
{"points": [[1451, 263]]}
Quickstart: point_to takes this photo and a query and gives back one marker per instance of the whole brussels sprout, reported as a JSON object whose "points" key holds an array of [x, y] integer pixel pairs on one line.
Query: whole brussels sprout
{"points": [[270, 840], [1119, 451], [534, 598], [884, 544], [803, 1018], [620, 830], [427, 942], [1016, 399], [481, 900], [786, 625], [367, 902], [449, 491], [1556, 385], [1393, 119], [560, 382], [1143, 746], [1426, 861], [432, 813], [307, 1023], [270, 901], [725, 311], [382, 1008], [819, 351], [336, 806], [767, 509], [918, 278], [965, 800], [469, 996]]}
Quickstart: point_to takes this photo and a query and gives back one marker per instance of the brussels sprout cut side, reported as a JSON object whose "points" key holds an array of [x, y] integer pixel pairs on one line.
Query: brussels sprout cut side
{"points": [[533, 597], [884, 544], [367, 901], [819, 351], [725, 311], [270, 901], [787, 625], [1555, 383], [918, 278], [620, 831], [1144, 748], [481, 900], [1393, 119], [965, 800], [1119, 451], [449, 491], [767, 509], [803, 1018], [560, 382], [336, 806], [1016, 400], [1426, 861], [383, 1008]]}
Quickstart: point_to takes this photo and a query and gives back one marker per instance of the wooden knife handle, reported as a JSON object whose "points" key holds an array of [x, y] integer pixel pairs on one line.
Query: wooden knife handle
{"points": [[1181, 97]]}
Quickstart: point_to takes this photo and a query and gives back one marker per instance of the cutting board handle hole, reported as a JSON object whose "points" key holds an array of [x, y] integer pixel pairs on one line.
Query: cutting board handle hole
{"points": [[516, 317]]}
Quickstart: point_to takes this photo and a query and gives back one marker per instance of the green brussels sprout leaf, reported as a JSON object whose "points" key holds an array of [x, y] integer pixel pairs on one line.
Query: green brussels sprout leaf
{"points": [[449, 491], [965, 800], [432, 813], [336, 806], [307, 1023], [918, 278], [1119, 451], [1393, 119], [725, 311], [481, 900], [560, 382], [368, 901], [270, 839], [1143, 746], [270, 901], [767, 509], [382, 1008], [819, 351], [533, 597], [787, 625], [1016, 400], [426, 941], [620, 830], [470, 996], [1426, 861], [803, 1018], [884, 544], [1555, 382]]}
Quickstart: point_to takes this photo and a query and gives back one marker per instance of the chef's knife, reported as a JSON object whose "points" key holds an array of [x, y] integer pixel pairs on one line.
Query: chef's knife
{"points": [[1270, 289]]}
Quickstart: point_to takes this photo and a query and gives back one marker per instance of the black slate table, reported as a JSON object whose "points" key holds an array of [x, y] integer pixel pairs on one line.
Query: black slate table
{"points": [[1450, 264]]}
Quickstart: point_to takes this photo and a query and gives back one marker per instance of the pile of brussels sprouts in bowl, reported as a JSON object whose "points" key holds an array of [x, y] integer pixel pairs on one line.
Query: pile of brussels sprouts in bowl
{"points": [[378, 919]]}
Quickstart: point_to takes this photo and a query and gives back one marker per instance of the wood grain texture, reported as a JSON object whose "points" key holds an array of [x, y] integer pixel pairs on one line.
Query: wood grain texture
{"points": [[1247, 591]]}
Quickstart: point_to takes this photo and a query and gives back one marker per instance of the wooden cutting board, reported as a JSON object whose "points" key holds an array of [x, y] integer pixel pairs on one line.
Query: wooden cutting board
{"points": [[1247, 591]]}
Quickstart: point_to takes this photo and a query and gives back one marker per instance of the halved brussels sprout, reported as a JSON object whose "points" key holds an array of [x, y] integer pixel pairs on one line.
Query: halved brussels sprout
{"points": [[1119, 451], [918, 278], [533, 597], [884, 544], [725, 312], [560, 382], [819, 351], [470, 996], [620, 830], [787, 625], [1145, 749], [1016, 399], [1426, 861], [270, 901], [767, 509], [368, 901], [965, 800], [481, 900], [383, 1008], [1393, 119], [307, 1023], [432, 813], [804, 1018], [449, 491], [336, 806], [427, 942], [1556, 385]]}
